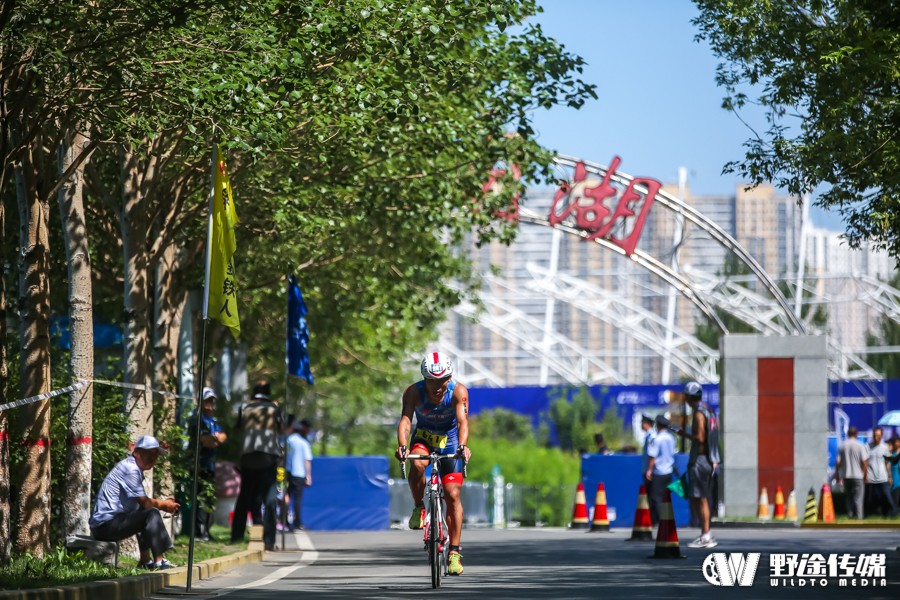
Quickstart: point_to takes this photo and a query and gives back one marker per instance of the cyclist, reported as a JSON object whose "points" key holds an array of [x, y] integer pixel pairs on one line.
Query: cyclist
{"points": [[441, 407]]}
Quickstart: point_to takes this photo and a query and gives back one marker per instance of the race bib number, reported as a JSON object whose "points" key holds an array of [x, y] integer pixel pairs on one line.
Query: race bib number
{"points": [[435, 440]]}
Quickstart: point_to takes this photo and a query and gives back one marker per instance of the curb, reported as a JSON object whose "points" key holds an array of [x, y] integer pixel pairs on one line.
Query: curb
{"points": [[139, 586], [895, 524], [756, 524]]}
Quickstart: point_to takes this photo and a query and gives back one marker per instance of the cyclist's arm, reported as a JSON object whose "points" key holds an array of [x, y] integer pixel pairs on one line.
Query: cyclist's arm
{"points": [[404, 427], [461, 403]]}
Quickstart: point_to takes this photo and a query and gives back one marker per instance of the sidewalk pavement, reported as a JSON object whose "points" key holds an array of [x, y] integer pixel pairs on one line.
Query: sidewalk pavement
{"points": [[141, 586]]}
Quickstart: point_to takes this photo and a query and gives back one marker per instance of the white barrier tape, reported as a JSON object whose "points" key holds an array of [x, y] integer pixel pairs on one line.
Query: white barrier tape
{"points": [[80, 383], [137, 386], [47, 396]]}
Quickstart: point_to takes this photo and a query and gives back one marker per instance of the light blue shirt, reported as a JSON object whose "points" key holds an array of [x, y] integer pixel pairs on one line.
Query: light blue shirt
{"points": [[119, 492], [662, 449], [298, 452]]}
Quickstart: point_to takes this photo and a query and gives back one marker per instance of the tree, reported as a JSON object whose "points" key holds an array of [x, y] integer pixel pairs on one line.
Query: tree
{"points": [[827, 75], [886, 334], [574, 418]]}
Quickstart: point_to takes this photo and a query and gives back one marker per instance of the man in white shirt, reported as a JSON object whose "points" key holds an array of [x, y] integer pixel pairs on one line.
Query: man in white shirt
{"points": [[299, 468], [123, 509], [661, 466], [878, 477]]}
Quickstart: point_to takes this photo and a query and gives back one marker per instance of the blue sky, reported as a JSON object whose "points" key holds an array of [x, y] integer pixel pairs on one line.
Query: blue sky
{"points": [[659, 107]]}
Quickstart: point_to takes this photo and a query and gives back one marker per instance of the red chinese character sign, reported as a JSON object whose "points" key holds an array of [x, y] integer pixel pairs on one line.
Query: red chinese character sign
{"points": [[602, 208]]}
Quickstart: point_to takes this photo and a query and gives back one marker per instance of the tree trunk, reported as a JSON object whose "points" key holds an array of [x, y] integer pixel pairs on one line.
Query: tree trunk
{"points": [[4, 398], [77, 503], [33, 520], [168, 310], [134, 228]]}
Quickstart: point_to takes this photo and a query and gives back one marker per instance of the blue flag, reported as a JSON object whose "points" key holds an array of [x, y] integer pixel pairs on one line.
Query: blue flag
{"points": [[297, 334]]}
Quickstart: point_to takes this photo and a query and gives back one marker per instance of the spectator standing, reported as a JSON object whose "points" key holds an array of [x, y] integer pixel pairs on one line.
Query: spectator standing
{"points": [[299, 467], [661, 465], [123, 509], [211, 437], [600, 444], [260, 423], [649, 434], [851, 469], [704, 460], [894, 461], [878, 477]]}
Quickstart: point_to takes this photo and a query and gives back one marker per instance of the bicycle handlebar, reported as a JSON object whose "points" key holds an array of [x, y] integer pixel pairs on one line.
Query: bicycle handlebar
{"points": [[436, 457]]}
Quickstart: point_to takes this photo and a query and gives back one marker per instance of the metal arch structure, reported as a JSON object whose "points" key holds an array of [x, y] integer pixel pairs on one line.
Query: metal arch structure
{"points": [[572, 362], [759, 312], [469, 370], [677, 206], [767, 315], [639, 257], [690, 355]]}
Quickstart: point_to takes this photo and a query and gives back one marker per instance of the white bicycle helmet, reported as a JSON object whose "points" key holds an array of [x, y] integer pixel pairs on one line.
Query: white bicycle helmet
{"points": [[436, 365]]}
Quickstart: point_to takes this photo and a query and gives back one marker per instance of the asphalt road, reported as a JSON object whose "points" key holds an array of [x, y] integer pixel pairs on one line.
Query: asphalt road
{"points": [[540, 563]]}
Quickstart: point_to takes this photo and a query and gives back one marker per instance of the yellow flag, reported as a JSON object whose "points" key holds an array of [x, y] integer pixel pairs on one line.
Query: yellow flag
{"points": [[222, 279]]}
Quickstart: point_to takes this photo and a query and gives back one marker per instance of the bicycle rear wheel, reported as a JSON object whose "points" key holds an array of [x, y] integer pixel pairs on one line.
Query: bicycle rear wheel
{"points": [[434, 544]]}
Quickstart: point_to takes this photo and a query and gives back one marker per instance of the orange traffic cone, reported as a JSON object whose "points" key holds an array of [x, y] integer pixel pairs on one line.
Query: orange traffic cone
{"points": [[779, 504], [826, 505], [601, 520], [667, 535], [762, 512], [579, 513], [792, 507], [643, 526]]}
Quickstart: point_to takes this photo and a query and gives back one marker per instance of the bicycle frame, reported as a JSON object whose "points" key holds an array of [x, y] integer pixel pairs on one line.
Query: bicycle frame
{"points": [[435, 536]]}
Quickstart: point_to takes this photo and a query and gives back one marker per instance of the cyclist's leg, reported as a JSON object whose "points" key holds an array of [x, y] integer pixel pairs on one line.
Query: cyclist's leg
{"points": [[452, 488], [417, 484]]}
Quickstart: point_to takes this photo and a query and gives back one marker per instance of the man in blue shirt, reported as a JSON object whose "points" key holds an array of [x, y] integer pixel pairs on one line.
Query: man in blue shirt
{"points": [[211, 436], [123, 509], [299, 468]]}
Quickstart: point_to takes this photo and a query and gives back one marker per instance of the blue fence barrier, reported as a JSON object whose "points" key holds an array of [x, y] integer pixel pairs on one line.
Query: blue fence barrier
{"points": [[621, 476]]}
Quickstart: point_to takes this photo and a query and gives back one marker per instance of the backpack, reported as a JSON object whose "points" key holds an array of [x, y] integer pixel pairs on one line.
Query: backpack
{"points": [[712, 434]]}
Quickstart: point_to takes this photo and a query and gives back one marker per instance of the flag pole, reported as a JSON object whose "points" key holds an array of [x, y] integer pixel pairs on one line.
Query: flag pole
{"points": [[205, 319], [284, 483]]}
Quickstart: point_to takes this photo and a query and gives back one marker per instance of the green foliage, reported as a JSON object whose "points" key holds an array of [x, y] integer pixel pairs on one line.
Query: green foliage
{"points": [[826, 73], [501, 424], [56, 569], [551, 473], [574, 414], [614, 433]]}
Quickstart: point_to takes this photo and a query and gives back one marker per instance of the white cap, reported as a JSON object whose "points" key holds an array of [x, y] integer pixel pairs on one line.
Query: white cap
{"points": [[692, 388], [147, 442], [208, 393]]}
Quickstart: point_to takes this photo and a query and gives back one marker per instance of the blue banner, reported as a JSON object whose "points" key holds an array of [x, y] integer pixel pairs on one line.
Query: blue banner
{"points": [[297, 334]]}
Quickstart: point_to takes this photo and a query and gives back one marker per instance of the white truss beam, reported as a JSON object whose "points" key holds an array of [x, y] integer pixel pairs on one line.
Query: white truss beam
{"points": [[564, 357], [694, 358]]}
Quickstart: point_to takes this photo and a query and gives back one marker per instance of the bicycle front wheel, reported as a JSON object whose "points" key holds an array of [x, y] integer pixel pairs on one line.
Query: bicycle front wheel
{"points": [[434, 544]]}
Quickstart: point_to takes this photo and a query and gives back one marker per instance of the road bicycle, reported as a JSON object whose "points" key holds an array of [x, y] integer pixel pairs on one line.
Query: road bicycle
{"points": [[437, 542]]}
